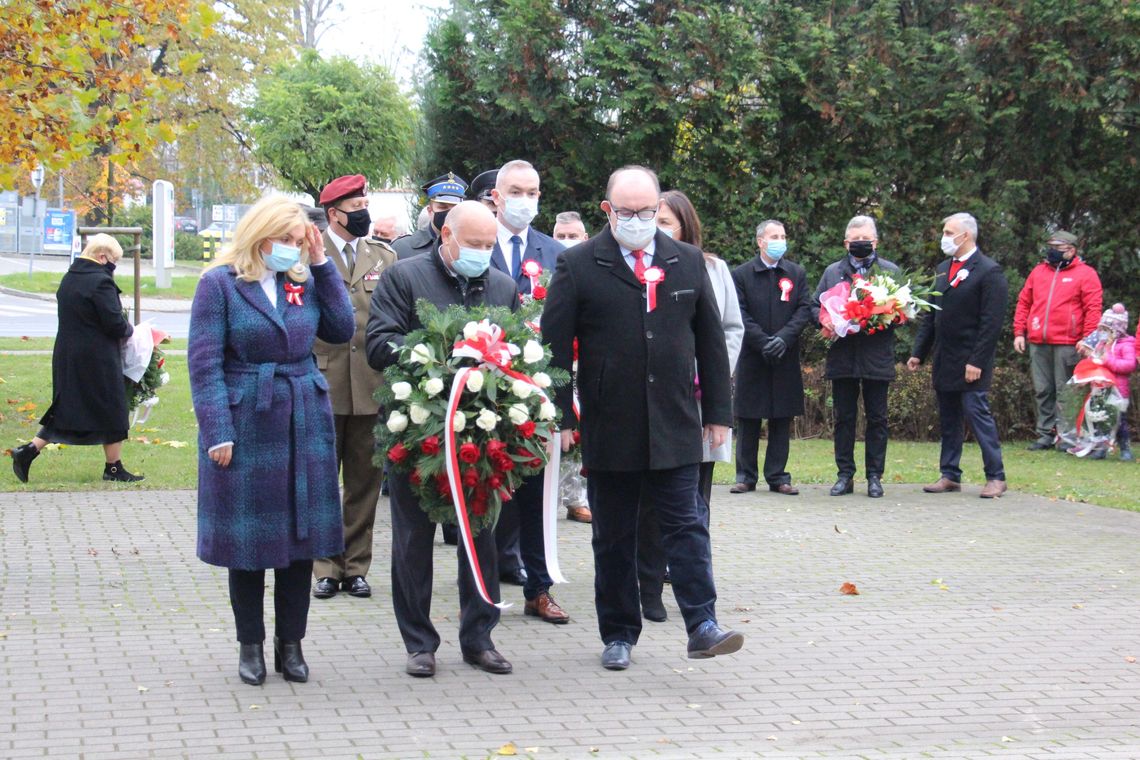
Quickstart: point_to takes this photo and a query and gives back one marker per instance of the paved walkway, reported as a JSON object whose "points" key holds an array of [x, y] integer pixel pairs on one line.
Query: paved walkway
{"points": [[1003, 628]]}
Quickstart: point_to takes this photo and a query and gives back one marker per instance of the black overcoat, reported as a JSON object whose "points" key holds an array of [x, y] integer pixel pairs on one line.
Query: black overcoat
{"points": [[967, 328], [636, 369], [770, 390], [88, 391]]}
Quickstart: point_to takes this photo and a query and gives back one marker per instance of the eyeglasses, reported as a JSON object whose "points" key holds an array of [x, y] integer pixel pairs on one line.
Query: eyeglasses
{"points": [[644, 214]]}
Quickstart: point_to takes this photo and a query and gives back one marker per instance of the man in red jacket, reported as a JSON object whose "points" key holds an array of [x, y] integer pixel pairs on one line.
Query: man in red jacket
{"points": [[1059, 305]]}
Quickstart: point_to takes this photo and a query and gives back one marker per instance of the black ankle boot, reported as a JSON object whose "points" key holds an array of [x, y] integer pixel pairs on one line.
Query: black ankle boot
{"points": [[251, 664], [287, 659], [22, 457], [119, 473]]}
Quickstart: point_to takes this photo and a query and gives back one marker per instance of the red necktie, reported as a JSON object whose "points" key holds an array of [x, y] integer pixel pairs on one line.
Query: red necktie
{"points": [[955, 265], [638, 265]]}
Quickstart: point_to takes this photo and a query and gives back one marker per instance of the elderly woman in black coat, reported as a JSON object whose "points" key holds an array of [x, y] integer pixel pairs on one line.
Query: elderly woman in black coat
{"points": [[89, 401]]}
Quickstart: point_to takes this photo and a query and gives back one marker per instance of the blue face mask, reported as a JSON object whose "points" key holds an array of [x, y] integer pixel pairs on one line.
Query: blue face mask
{"points": [[665, 231], [777, 249], [472, 262], [282, 258]]}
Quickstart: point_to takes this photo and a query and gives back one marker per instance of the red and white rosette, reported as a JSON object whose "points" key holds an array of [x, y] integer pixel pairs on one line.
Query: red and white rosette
{"points": [[652, 278], [786, 286], [293, 294], [963, 273], [487, 347], [533, 270]]}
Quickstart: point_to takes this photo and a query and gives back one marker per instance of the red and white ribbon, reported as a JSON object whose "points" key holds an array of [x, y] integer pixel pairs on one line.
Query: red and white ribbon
{"points": [[533, 270], [293, 294], [652, 278], [785, 288]]}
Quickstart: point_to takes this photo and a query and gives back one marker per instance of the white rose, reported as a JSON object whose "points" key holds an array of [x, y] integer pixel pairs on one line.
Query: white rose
{"points": [[397, 422], [433, 386], [401, 390], [422, 354], [546, 411], [164, 378], [521, 389], [419, 414], [470, 330], [542, 380], [459, 421], [532, 352], [518, 413], [487, 420], [475, 381]]}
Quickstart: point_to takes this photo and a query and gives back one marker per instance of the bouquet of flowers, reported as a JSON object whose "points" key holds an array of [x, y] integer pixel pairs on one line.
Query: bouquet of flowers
{"points": [[871, 304], [468, 411], [1092, 405], [142, 387]]}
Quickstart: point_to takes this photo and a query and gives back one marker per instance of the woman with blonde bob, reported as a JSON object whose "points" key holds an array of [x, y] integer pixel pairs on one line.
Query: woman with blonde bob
{"points": [[267, 474], [89, 398]]}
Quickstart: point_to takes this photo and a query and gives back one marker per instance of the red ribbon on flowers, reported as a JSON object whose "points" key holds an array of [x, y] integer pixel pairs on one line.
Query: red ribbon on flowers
{"points": [[533, 270], [293, 294], [652, 277], [785, 288]]}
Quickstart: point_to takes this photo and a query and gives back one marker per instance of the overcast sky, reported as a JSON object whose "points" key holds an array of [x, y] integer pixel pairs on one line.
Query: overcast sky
{"points": [[387, 32]]}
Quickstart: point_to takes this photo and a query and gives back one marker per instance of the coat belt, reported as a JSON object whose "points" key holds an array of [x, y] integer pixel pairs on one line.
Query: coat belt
{"points": [[293, 372]]}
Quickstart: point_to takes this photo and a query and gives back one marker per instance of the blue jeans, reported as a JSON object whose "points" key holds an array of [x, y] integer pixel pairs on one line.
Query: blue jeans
{"points": [[957, 409], [672, 495]]}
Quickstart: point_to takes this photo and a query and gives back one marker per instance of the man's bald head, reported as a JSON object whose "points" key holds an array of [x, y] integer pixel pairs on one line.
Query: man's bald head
{"points": [[469, 225]]}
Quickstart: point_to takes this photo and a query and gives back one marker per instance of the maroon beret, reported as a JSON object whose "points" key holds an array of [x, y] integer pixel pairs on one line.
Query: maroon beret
{"points": [[342, 187]]}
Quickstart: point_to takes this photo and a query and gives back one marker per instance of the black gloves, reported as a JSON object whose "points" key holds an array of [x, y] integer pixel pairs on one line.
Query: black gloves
{"points": [[774, 349]]}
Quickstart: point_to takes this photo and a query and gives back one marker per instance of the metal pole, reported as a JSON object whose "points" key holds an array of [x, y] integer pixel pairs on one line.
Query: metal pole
{"points": [[60, 176], [138, 277], [32, 253]]}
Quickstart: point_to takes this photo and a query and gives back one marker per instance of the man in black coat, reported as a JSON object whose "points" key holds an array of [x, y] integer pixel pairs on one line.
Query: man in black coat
{"points": [[859, 362], [776, 307], [450, 275], [645, 316], [964, 336]]}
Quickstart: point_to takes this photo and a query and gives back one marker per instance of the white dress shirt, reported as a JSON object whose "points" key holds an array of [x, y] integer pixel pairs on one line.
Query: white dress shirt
{"points": [[504, 237]]}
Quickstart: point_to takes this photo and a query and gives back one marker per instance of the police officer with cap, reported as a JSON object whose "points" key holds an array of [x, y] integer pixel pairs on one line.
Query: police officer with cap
{"points": [[481, 188], [351, 384], [442, 193]]}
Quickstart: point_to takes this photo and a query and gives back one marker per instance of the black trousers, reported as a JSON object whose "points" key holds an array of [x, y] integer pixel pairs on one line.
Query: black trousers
{"points": [[615, 499], [651, 562], [775, 453], [413, 536], [845, 402], [290, 602]]}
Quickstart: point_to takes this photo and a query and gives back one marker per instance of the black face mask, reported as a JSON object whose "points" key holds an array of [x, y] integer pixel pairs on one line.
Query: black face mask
{"points": [[438, 218], [1055, 257], [358, 223], [861, 249]]}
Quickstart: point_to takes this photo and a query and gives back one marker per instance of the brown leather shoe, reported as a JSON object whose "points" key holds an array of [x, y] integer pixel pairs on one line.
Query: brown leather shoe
{"points": [[742, 488], [579, 513], [993, 489], [785, 488], [543, 606], [943, 485]]}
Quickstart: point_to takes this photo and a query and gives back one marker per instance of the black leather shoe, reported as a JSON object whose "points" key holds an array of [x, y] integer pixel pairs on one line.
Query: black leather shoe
{"points": [[616, 655], [450, 534], [356, 586], [420, 664], [116, 472], [874, 486], [742, 488], [1039, 446], [326, 588], [653, 609], [22, 457], [843, 486], [288, 660], [516, 577], [710, 640], [251, 664], [489, 661]]}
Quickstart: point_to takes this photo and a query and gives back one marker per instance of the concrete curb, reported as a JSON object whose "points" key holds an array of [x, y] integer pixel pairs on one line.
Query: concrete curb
{"points": [[167, 305]]}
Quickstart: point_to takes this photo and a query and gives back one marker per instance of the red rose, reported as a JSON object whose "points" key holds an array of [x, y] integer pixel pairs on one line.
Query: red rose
{"points": [[397, 454], [504, 463], [469, 453], [415, 478], [430, 445], [478, 506], [442, 486], [494, 482], [523, 452], [495, 447], [577, 437], [470, 477], [535, 463], [539, 292], [526, 430]]}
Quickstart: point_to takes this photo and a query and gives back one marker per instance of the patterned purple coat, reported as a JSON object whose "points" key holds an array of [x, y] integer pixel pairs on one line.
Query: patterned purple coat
{"points": [[254, 382]]}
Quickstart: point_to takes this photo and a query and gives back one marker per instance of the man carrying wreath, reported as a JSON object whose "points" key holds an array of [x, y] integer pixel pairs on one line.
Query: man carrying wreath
{"points": [[643, 310], [457, 271]]}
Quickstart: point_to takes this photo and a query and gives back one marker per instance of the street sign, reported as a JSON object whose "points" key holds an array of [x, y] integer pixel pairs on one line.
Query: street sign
{"points": [[38, 177], [59, 230], [217, 213]]}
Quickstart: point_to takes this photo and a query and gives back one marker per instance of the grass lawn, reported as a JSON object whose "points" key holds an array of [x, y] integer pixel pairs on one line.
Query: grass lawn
{"points": [[48, 282], [26, 394], [46, 344]]}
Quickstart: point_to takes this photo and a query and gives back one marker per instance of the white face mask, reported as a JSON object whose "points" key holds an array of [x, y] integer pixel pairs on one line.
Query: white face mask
{"points": [[949, 247], [519, 211], [635, 233]]}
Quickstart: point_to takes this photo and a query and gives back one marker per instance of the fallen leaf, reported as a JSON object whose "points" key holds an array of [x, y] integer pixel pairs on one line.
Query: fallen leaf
{"points": [[771, 738], [936, 582], [1078, 606], [93, 552], [532, 750], [739, 608], [1007, 739], [53, 446], [117, 605], [849, 589], [3, 634], [1130, 659], [693, 706], [28, 407], [508, 749], [997, 609], [143, 688], [174, 444], [255, 707], [837, 530], [795, 722]]}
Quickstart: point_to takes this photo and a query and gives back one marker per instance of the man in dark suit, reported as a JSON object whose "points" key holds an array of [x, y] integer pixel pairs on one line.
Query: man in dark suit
{"points": [[455, 273], [442, 193], [775, 306], [964, 336], [522, 556], [643, 310]]}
